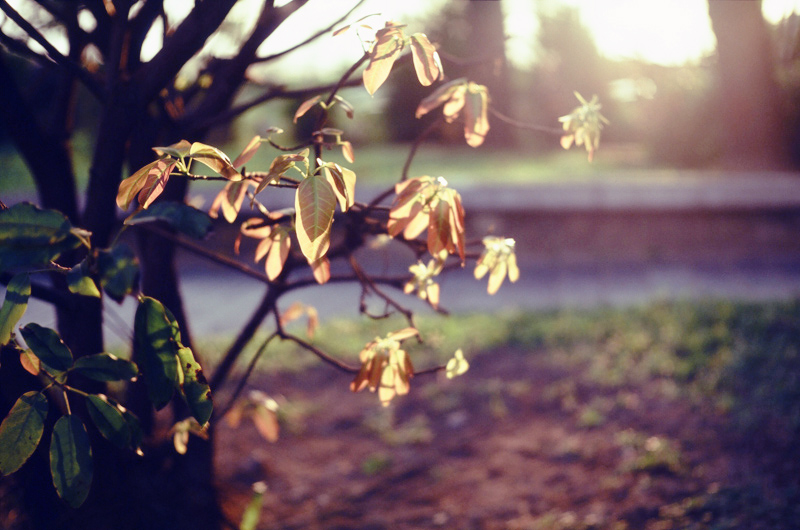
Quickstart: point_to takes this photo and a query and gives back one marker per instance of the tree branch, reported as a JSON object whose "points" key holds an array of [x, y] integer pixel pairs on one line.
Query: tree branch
{"points": [[526, 126], [54, 55]]}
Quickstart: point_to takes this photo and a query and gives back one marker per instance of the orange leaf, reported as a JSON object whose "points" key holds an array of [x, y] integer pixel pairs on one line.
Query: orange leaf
{"points": [[132, 185], [215, 159], [321, 270], [278, 254], [156, 181]]}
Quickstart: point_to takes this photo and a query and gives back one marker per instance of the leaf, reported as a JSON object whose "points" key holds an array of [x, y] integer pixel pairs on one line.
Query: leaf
{"points": [[131, 186], [346, 106], [347, 152], [315, 202], [32, 237], [182, 217], [135, 429], [385, 51], [252, 513], [21, 431], [265, 420], [476, 121], [154, 337], [30, 363], [47, 346], [343, 182], [305, 107], [278, 253], [105, 367], [230, 199], [280, 165], [176, 150], [248, 152], [80, 282], [321, 270], [442, 94], [108, 420], [71, 460], [426, 60], [14, 305], [195, 387], [118, 269], [215, 159], [156, 181], [456, 366]]}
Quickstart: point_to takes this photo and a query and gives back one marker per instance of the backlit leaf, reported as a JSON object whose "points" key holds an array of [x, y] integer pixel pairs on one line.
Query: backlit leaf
{"points": [[456, 366], [21, 431], [252, 513], [321, 269], [80, 282], [230, 200], [32, 237], [305, 107], [315, 202], [119, 271], [154, 336], [182, 217], [385, 51], [30, 363], [195, 387], [215, 159], [426, 60], [47, 346], [176, 150], [155, 182], [71, 460], [105, 367], [280, 165], [109, 420], [346, 106], [14, 305], [131, 186], [248, 152], [441, 95], [476, 120]]}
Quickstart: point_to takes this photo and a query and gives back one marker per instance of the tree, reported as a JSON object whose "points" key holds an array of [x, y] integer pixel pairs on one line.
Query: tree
{"points": [[65, 371], [749, 102]]}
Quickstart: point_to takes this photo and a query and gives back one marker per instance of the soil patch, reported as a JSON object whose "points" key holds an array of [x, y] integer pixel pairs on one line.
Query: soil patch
{"points": [[517, 443]]}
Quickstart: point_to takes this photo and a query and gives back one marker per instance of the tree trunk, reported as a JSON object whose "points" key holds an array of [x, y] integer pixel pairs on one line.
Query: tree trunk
{"points": [[749, 101]]}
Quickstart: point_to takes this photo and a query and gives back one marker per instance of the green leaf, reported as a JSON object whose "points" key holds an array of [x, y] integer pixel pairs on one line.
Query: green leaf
{"points": [[47, 346], [32, 237], [315, 202], [154, 337], [180, 216], [135, 429], [79, 281], [105, 367], [109, 420], [252, 514], [119, 271], [14, 305], [195, 387], [426, 60], [71, 460], [21, 431]]}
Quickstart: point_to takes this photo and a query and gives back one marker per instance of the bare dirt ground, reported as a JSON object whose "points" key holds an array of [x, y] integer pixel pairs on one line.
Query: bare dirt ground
{"points": [[519, 442]]}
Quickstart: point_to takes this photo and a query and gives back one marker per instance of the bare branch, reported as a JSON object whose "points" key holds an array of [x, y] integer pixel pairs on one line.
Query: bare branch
{"points": [[527, 126], [309, 39], [54, 55]]}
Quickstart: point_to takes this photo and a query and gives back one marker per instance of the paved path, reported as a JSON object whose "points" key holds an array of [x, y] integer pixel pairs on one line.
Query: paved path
{"points": [[216, 298]]}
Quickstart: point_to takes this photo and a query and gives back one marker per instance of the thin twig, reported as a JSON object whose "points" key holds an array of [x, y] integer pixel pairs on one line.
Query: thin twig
{"points": [[527, 126], [52, 52], [243, 381]]}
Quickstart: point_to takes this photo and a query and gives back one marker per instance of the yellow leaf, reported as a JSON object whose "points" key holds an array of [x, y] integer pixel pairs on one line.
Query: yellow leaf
{"points": [[456, 366], [315, 202], [248, 152]]}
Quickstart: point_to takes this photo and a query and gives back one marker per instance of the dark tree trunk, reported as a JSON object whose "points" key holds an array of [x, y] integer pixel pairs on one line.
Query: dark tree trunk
{"points": [[749, 101]]}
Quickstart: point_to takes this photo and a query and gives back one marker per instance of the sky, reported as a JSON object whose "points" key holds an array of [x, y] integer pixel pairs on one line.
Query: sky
{"points": [[668, 32]]}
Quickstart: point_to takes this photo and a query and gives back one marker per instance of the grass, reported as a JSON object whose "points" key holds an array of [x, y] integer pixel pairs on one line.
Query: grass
{"points": [[743, 358]]}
